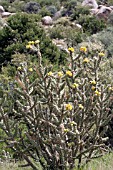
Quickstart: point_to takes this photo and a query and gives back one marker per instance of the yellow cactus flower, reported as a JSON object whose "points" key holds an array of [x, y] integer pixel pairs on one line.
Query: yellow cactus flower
{"points": [[60, 74], [75, 85], [97, 93], [66, 130], [37, 42], [28, 46], [69, 73], [71, 144], [69, 107], [93, 87], [31, 42], [71, 49], [19, 68], [83, 49], [72, 123], [86, 60], [93, 82], [101, 54], [110, 88], [81, 106], [30, 69], [50, 73]]}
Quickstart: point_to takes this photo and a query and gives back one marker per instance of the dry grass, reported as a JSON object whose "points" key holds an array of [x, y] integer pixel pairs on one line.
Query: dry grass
{"points": [[12, 166], [104, 163]]}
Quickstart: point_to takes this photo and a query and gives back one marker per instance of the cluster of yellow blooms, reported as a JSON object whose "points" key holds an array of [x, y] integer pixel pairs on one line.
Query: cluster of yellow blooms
{"points": [[30, 69], [60, 74], [86, 60], [81, 106], [20, 68], [50, 73], [72, 123], [83, 49], [110, 88], [71, 49], [69, 107], [101, 54], [66, 130], [97, 93], [69, 73], [93, 87], [75, 85], [31, 43], [93, 82]]}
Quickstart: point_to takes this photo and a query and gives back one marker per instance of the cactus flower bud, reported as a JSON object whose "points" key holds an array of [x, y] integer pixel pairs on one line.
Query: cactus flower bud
{"points": [[69, 107], [71, 49], [69, 73]]}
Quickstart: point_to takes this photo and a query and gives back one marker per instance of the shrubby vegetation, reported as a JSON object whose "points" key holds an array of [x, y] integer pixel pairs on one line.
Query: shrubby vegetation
{"points": [[106, 38], [55, 103], [60, 116], [15, 36]]}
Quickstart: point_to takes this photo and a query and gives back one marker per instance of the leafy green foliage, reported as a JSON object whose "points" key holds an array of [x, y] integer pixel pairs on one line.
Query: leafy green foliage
{"points": [[79, 11], [90, 24], [106, 38], [21, 29], [44, 12]]}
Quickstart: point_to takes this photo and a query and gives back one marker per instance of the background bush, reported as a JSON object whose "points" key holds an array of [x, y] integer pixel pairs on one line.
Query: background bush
{"points": [[90, 24], [21, 29]]}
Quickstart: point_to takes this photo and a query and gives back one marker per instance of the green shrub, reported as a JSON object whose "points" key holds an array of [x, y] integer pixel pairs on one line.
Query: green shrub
{"points": [[106, 38], [44, 12], [21, 29], [5, 4], [47, 2], [79, 10], [57, 32], [90, 24], [16, 6], [110, 19], [63, 30], [52, 9], [32, 7]]}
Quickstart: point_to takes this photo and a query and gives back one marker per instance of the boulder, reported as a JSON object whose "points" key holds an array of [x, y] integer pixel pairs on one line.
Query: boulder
{"points": [[5, 14], [111, 7], [47, 20], [58, 14], [90, 3], [103, 12], [2, 9]]}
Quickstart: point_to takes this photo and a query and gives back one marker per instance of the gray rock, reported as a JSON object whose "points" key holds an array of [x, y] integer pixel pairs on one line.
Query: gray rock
{"points": [[2, 9], [90, 3], [103, 12], [58, 14], [111, 7], [104, 9], [47, 20], [5, 14]]}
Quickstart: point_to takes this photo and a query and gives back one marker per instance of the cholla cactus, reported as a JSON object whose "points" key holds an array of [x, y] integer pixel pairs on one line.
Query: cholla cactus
{"points": [[61, 116]]}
